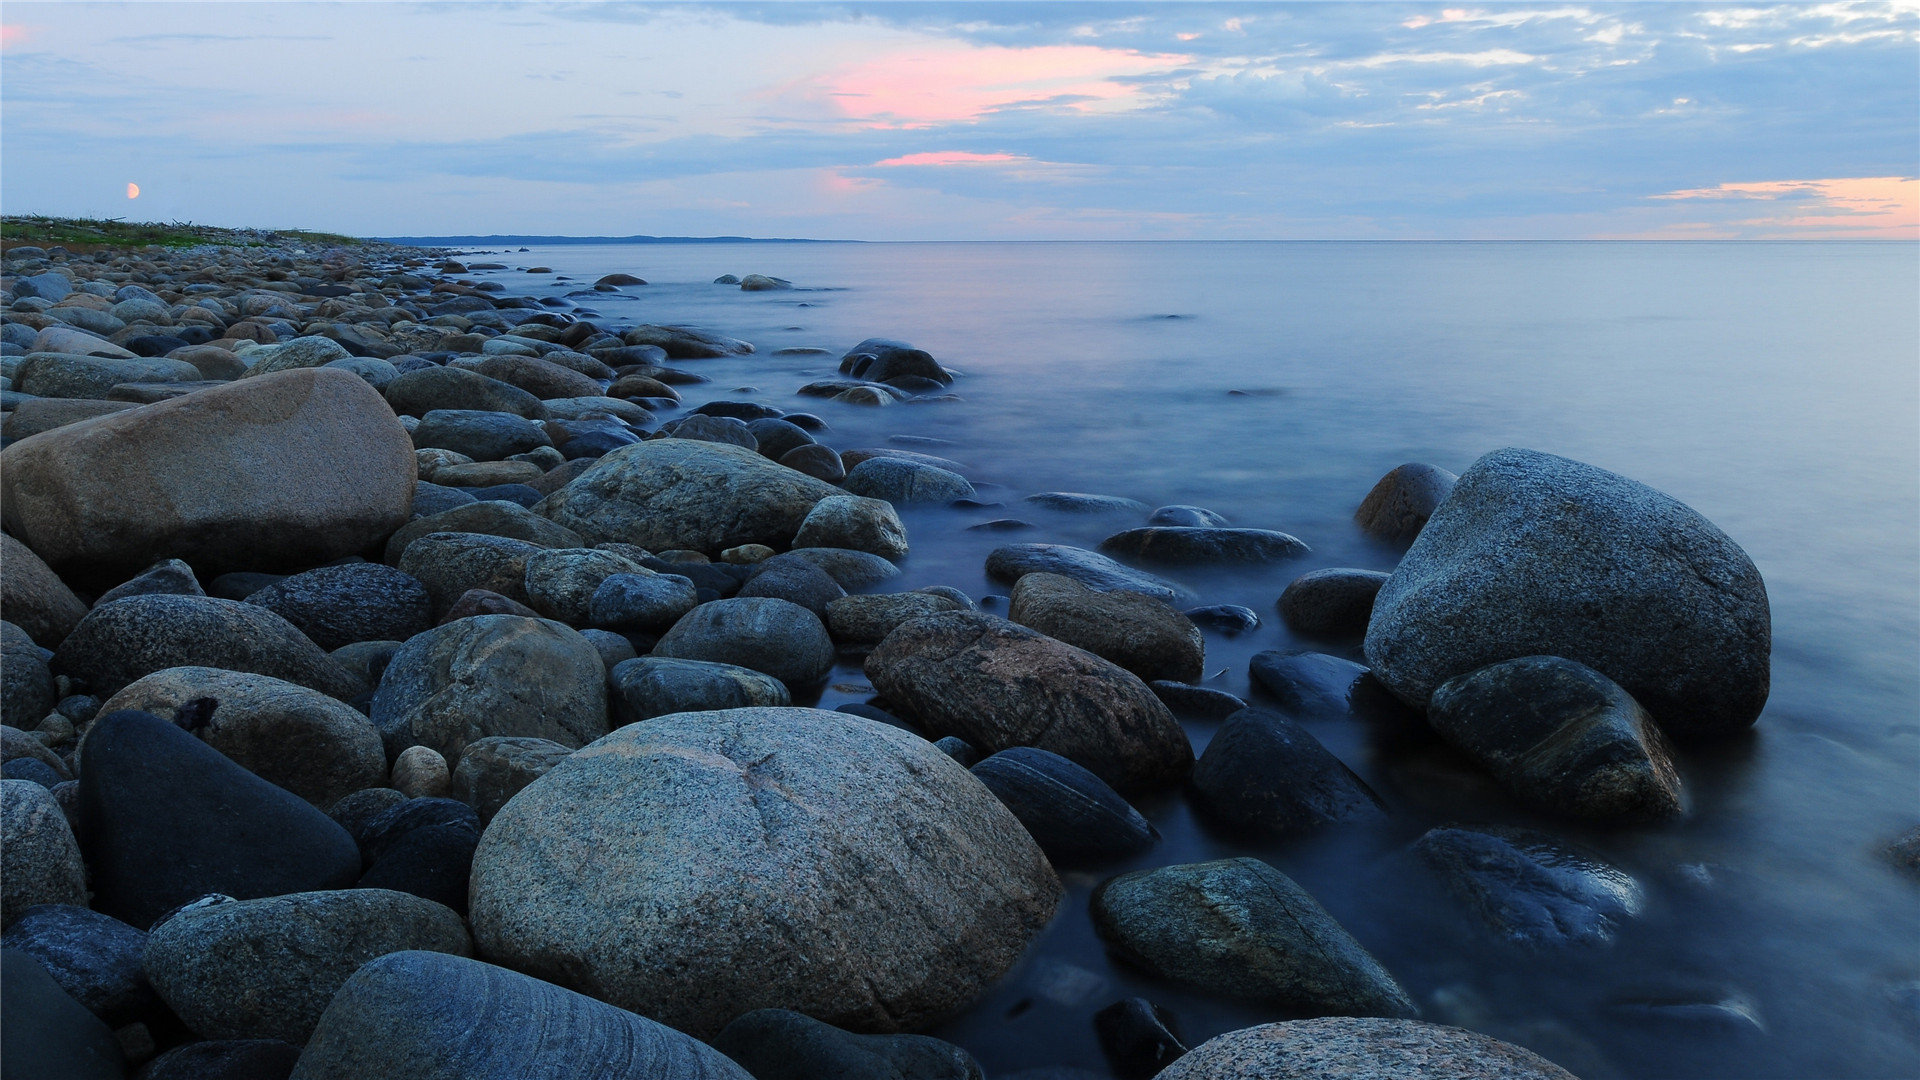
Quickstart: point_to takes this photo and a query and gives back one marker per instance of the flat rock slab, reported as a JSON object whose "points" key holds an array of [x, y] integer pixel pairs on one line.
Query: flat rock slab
{"points": [[1360, 1048]]}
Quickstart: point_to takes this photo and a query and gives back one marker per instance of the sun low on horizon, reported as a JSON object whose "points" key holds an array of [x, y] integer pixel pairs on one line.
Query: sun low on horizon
{"points": [[1013, 121]]}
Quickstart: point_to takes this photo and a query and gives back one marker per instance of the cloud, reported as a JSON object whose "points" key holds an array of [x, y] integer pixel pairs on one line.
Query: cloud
{"points": [[950, 157], [1869, 207]]}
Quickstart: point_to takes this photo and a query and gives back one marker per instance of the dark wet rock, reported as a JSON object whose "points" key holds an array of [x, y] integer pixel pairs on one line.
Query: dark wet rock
{"points": [[482, 436], [859, 524], [796, 580], [494, 769], [922, 888], [867, 620], [1196, 702], [1074, 817], [851, 458], [386, 831], [33, 596], [1904, 851], [1008, 564], [27, 690], [433, 1016], [266, 968], [880, 359], [1307, 684], [685, 342], [1346, 1048], [299, 739], [448, 564], [430, 499], [1242, 929], [619, 279], [738, 410], [432, 862], [311, 466], [779, 1044], [45, 1033], [899, 481], [1139, 633], [337, 606], [95, 958], [560, 583], [852, 569], [998, 684], [681, 494], [776, 437], [1563, 737], [1399, 505], [650, 686], [127, 639], [225, 1059], [725, 430], [644, 601], [491, 675], [1192, 545], [169, 819], [495, 518], [1537, 555], [1529, 888], [769, 635], [1138, 1038], [519, 494], [1075, 502], [1265, 773], [1335, 602], [419, 392], [819, 462], [169, 576], [1002, 525], [763, 283], [1228, 619], [39, 860], [1181, 516]]}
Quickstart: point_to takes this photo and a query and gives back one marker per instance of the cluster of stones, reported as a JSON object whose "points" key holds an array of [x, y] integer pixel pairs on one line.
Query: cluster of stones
{"points": [[382, 672]]}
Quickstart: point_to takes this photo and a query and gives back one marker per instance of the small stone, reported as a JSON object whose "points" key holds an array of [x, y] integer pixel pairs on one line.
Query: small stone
{"points": [[421, 773], [651, 686], [646, 602], [1401, 502], [169, 576], [1331, 603], [1089, 568], [747, 554]]}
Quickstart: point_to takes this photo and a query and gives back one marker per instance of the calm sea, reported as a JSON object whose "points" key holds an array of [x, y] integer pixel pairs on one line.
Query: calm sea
{"points": [[1773, 387]]}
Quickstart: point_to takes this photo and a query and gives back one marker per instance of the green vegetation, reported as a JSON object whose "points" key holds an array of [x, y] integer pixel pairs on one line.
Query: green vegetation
{"points": [[91, 234]]}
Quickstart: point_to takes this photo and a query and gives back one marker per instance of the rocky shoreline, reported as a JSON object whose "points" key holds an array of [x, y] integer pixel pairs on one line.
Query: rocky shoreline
{"points": [[400, 679]]}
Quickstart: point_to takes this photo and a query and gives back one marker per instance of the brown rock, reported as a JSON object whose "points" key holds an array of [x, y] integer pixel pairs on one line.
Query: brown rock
{"points": [[1399, 505], [1137, 632], [35, 415], [33, 596]]}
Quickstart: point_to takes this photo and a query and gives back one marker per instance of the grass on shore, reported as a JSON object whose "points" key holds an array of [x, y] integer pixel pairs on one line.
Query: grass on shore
{"points": [[95, 234]]}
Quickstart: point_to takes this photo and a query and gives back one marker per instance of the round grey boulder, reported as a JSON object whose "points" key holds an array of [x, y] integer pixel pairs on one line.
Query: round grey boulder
{"points": [[650, 686], [560, 583], [482, 436], [342, 605], [899, 481], [26, 683], [641, 600], [1360, 1048], [849, 521], [777, 637], [638, 871]]}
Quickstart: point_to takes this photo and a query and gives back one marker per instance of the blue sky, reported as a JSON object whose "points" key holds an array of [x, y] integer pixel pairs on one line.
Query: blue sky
{"points": [[973, 121]]}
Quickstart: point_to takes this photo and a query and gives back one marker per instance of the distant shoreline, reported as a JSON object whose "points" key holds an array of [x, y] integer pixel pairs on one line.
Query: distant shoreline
{"points": [[466, 241]]}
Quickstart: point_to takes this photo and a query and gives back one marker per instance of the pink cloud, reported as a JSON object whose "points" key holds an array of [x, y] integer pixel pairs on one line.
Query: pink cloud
{"points": [[952, 157], [13, 35], [1862, 207]]}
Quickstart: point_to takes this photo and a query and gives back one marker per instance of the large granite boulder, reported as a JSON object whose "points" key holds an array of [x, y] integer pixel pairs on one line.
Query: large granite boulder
{"points": [[314, 746], [266, 968], [685, 494], [1360, 1048], [1537, 555], [282, 472], [701, 865], [128, 639], [434, 1016], [491, 675], [997, 684]]}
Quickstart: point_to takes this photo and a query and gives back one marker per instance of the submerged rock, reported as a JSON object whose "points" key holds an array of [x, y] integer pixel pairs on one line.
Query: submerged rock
{"points": [[1529, 888], [1331, 603]]}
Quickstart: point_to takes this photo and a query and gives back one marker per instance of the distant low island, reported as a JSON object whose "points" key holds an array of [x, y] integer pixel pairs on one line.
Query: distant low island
{"points": [[469, 241]]}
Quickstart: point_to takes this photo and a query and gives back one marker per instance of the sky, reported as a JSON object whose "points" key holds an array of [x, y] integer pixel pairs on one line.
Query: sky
{"points": [[938, 121]]}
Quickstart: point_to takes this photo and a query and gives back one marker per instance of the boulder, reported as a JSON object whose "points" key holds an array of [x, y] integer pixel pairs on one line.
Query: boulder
{"points": [[1241, 929], [128, 639], [266, 968], [880, 359], [421, 773], [1309, 685], [1360, 1048], [299, 739], [95, 958], [769, 635], [44, 1032], [1074, 817], [637, 871], [434, 1016], [683, 494], [997, 684], [169, 819], [169, 576], [560, 583], [1537, 555], [302, 352], [493, 517], [449, 564], [868, 619], [646, 602], [1529, 888], [793, 579], [650, 686], [39, 861], [1563, 737], [1264, 773], [491, 675], [35, 415], [70, 375], [1201, 545], [1336, 602], [482, 436], [780, 1044], [1139, 633], [275, 473], [1399, 505], [849, 521], [417, 393], [900, 481], [33, 596], [541, 378], [494, 769], [1090, 568], [341, 605]]}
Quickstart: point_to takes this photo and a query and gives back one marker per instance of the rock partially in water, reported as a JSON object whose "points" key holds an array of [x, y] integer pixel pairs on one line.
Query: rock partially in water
{"points": [[491, 675], [819, 462], [1075, 502], [1336, 602], [1904, 851], [1537, 555], [1530, 888], [880, 359], [769, 635], [867, 620], [1074, 817], [1264, 773], [125, 640], [911, 889], [95, 958], [763, 283], [1139, 633], [299, 739], [496, 768], [780, 1044], [433, 1016], [1242, 929], [1181, 516], [169, 819], [1401, 502], [1307, 684], [860, 524], [650, 686], [1188, 545], [795, 580], [1196, 702], [1138, 1038], [1350, 1048], [1563, 737], [899, 481], [39, 860], [267, 968], [998, 684], [1229, 619], [1092, 569]]}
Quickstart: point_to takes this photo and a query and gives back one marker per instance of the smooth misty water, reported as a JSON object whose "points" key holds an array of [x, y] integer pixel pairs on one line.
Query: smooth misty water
{"points": [[1770, 386]]}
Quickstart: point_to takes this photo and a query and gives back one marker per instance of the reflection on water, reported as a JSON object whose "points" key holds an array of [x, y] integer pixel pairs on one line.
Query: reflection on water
{"points": [[1770, 386]]}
